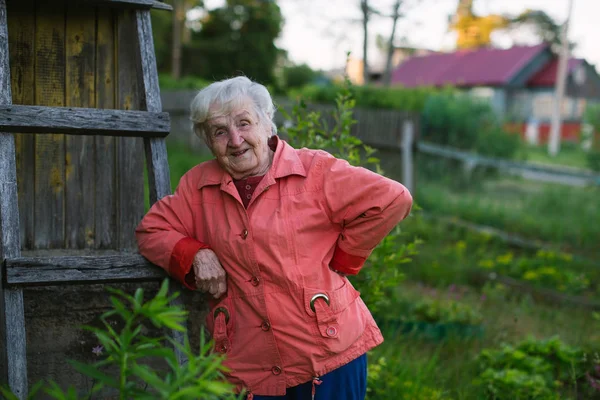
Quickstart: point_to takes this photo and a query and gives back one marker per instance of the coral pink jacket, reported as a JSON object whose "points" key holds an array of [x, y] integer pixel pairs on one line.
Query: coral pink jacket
{"points": [[286, 317]]}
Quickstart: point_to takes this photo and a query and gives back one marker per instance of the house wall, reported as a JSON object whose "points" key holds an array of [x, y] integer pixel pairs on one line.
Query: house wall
{"points": [[584, 82], [538, 104], [496, 96]]}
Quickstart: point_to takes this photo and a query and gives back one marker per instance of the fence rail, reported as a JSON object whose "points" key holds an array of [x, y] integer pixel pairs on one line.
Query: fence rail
{"points": [[527, 170]]}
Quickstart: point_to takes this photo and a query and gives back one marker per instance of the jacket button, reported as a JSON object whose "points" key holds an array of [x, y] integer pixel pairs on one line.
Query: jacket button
{"points": [[255, 281], [265, 326], [276, 370], [244, 234], [331, 331]]}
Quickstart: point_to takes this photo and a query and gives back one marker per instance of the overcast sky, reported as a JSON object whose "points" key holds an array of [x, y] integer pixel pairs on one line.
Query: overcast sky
{"points": [[320, 32]]}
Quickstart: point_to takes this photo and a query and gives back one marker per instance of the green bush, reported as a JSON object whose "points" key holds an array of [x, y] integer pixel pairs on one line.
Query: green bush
{"points": [[297, 76], [127, 355], [593, 160], [456, 120], [403, 99], [534, 369], [166, 81], [443, 310], [497, 143], [545, 269]]}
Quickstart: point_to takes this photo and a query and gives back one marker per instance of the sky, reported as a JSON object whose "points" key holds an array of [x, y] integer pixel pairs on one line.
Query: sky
{"points": [[321, 32]]}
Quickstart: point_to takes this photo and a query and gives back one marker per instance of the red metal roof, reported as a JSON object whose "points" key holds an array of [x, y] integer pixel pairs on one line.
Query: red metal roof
{"points": [[547, 75], [489, 67]]}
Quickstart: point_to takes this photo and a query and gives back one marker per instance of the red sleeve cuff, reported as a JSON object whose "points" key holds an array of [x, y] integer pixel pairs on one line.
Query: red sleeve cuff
{"points": [[182, 257], [346, 263]]}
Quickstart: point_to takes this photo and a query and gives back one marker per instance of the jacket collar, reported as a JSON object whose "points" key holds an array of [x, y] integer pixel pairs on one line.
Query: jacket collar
{"points": [[285, 163]]}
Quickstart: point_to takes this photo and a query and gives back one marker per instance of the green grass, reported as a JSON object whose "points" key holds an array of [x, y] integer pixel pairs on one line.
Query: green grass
{"points": [[420, 368], [570, 155], [448, 367], [568, 217]]}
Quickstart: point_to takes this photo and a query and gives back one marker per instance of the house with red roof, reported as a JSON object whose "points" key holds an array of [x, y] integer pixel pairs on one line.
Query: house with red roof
{"points": [[519, 82]]}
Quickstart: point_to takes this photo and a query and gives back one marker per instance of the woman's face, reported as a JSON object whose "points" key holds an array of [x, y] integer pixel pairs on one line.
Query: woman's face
{"points": [[239, 142]]}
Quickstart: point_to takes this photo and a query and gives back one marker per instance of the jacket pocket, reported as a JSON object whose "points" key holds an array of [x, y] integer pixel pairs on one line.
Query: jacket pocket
{"points": [[220, 323], [337, 315]]}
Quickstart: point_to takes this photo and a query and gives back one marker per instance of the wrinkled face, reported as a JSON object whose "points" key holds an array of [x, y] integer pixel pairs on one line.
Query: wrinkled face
{"points": [[239, 142]]}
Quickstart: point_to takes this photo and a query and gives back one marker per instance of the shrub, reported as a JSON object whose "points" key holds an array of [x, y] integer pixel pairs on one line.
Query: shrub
{"points": [[297, 76], [445, 311], [404, 99], [128, 354], [497, 143], [533, 369], [166, 81], [546, 269], [456, 120]]}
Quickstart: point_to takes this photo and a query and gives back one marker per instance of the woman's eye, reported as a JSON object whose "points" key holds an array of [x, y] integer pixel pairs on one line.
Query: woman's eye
{"points": [[244, 123], [219, 132]]}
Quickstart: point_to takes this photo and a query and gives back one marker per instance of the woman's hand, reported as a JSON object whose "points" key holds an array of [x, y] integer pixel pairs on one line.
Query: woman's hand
{"points": [[210, 275]]}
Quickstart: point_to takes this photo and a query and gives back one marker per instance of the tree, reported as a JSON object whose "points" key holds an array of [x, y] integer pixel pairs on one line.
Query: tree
{"points": [[364, 6], [387, 76], [296, 76], [170, 32], [235, 39], [544, 26]]}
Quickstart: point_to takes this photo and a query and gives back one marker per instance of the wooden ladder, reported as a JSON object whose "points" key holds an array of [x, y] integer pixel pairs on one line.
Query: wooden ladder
{"points": [[19, 272]]}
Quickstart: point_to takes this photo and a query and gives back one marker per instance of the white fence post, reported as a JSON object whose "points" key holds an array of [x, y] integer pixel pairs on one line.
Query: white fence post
{"points": [[408, 135]]}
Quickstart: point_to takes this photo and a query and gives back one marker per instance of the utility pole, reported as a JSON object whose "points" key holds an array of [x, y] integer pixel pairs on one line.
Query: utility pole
{"points": [[561, 78]]}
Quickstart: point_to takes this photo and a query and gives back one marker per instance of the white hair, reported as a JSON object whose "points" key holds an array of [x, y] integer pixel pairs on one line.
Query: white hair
{"points": [[221, 98]]}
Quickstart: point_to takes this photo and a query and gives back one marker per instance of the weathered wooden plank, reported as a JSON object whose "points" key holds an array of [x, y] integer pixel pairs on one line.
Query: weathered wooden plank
{"points": [[32, 271], [50, 149], [130, 162], [16, 346], [83, 121], [136, 4], [13, 357], [159, 180], [80, 92], [105, 160], [21, 43], [156, 150]]}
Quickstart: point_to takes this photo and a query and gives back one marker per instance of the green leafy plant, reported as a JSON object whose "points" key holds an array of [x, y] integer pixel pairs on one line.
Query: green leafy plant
{"points": [[382, 275], [545, 269], [405, 99], [311, 129], [534, 369], [444, 310], [138, 364]]}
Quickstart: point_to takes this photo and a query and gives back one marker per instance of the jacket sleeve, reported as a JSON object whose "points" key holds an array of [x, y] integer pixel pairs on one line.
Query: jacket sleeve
{"points": [[165, 236], [366, 205]]}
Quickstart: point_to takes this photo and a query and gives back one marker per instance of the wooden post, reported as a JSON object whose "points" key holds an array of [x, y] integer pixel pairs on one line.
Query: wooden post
{"points": [[156, 150], [408, 137], [13, 357]]}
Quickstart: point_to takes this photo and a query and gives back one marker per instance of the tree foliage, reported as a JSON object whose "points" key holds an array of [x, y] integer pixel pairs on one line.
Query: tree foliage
{"points": [[235, 39]]}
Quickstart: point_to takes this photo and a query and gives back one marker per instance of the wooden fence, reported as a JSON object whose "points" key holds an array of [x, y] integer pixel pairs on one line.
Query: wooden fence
{"points": [[554, 174]]}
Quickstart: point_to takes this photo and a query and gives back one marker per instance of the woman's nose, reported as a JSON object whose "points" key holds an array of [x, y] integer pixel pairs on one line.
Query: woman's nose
{"points": [[235, 138]]}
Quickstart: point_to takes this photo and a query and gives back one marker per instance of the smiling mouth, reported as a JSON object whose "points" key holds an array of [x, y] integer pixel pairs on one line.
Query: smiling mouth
{"points": [[239, 153]]}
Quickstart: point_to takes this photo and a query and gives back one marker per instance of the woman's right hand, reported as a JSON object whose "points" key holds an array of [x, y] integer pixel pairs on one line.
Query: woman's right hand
{"points": [[210, 275]]}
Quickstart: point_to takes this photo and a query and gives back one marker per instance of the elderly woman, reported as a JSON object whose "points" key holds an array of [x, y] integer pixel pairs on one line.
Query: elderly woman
{"points": [[271, 233]]}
